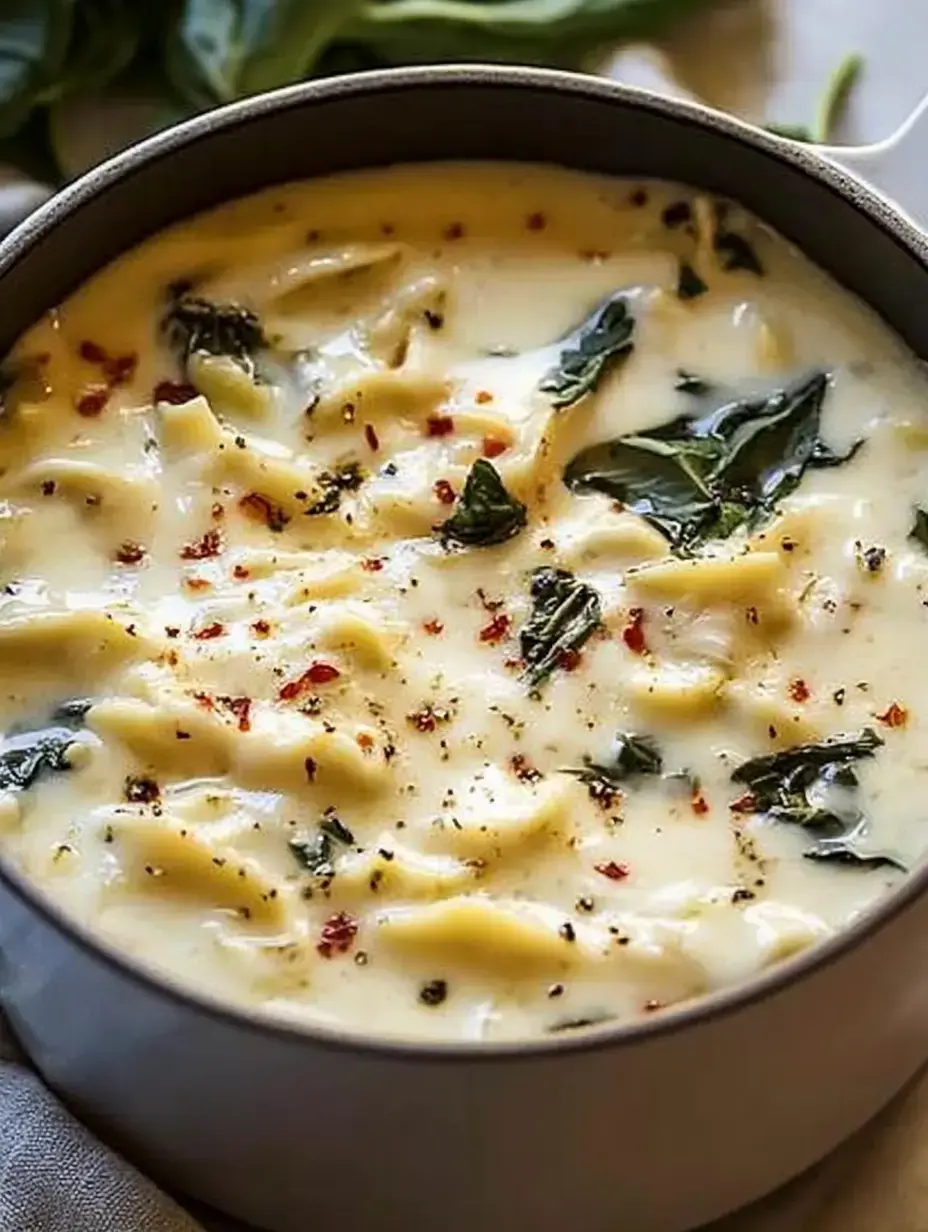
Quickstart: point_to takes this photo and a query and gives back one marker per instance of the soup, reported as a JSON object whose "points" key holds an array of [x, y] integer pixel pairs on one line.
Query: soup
{"points": [[465, 601]]}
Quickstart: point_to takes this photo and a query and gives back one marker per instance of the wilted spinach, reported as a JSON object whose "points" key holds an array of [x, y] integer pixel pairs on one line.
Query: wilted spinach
{"points": [[26, 756], [317, 854], [565, 613], [629, 756], [193, 325], [919, 531], [689, 283], [486, 513], [814, 786], [700, 478], [591, 351]]}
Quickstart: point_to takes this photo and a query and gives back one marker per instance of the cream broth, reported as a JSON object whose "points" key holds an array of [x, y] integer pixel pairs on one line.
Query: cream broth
{"points": [[327, 694]]}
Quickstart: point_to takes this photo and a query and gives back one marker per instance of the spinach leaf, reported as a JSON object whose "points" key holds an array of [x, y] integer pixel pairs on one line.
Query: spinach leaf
{"points": [[27, 756], [919, 531], [629, 757], [700, 478], [689, 283], [591, 351], [317, 854], [814, 786], [565, 613], [486, 513], [688, 383], [192, 325], [735, 252]]}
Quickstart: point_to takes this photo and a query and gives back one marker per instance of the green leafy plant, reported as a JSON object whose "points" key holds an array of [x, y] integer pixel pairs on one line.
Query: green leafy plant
{"points": [[27, 756], [629, 757], [187, 55], [590, 352], [700, 478], [486, 513], [194, 325], [814, 786], [565, 614]]}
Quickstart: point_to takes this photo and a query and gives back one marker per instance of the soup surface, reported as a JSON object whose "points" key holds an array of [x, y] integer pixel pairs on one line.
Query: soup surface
{"points": [[464, 601]]}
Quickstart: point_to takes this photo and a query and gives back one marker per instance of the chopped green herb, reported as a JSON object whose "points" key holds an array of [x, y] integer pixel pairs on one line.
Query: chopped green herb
{"points": [[735, 252], [346, 478], [317, 854], [590, 352], [193, 325], [486, 513], [565, 613]]}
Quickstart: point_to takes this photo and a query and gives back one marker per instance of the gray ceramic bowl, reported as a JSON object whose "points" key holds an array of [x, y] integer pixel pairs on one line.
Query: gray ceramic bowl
{"points": [[651, 1127]]}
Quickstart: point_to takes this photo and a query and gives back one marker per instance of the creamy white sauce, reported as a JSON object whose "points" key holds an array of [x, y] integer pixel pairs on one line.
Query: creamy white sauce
{"points": [[471, 901]]}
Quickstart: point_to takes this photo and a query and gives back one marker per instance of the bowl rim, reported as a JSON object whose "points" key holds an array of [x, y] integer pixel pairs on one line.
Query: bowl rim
{"points": [[702, 1010]]}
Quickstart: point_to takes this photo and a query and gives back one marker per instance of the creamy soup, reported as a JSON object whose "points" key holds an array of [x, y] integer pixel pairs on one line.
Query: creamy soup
{"points": [[465, 601]]}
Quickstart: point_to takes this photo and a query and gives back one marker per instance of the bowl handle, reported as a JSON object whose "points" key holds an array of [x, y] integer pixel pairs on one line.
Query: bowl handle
{"points": [[895, 167]]}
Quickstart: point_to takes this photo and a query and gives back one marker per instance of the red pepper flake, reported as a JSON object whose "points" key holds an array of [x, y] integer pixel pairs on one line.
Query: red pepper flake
{"points": [[523, 769], [365, 741], [493, 447], [745, 803], [569, 660], [613, 870], [444, 491], [92, 352], [260, 509], [454, 231], [373, 564], [316, 673], [92, 401], [752, 616], [433, 627], [423, 720], [799, 691], [698, 803], [241, 573], [482, 397], [633, 633], [174, 393], [338, 934], [894, 716], [497, 629], [370, 435], [310, 766], [204, 701], [261, 628], [210, 632], [130, 553], [198, 583], [537, 221], [120, 368], [203, 549], [240, 707], [439, 425], [217, 511]]}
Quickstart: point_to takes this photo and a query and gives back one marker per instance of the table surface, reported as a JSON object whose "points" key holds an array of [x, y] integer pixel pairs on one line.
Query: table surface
{"points": [[768, 60]]}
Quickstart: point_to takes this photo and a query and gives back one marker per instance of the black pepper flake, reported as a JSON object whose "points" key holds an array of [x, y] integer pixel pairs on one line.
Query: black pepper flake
{"points": [[838, 696], [741, 895], [556, 990], [567, 931], [434, 320], [433, 992]]}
